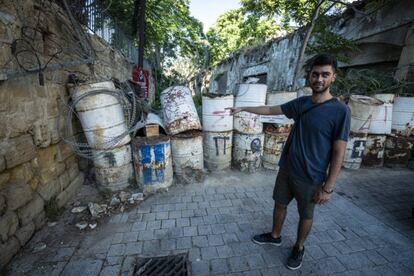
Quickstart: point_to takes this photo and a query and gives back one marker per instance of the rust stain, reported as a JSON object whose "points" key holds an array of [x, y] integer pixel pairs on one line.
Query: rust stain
{"points": [[374, 151], [398, 150]]}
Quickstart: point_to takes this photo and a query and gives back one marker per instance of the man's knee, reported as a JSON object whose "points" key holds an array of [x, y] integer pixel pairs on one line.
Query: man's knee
{"points": [[280, 207]]}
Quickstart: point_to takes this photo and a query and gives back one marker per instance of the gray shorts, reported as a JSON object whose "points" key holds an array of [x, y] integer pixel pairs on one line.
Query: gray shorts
{"points": [[287, 188]]}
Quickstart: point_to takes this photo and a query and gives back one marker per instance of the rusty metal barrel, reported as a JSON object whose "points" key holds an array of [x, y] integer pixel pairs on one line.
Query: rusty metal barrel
{"points": [[247, 151], [354, 150], [179, 110], [249, 95], [403, 115], [217, 148], [374, 151], [153, 162], [274, 142]]}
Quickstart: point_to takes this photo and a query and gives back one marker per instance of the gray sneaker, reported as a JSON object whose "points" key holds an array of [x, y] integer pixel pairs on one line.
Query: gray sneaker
{"points": [[295, 258], [266, 238]]}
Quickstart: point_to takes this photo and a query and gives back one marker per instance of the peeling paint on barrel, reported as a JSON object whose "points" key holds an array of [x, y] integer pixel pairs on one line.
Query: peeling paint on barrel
{"points": [[179, 110], [274, 142], [153, 162], [354, 150], [249, 95], [217, 150], [247, 151], [398, 150], [374, 151], [187, 156]]}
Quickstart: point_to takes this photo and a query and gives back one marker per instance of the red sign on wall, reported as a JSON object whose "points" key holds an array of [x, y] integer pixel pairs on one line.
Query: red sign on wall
{"points": [[141, 76]]}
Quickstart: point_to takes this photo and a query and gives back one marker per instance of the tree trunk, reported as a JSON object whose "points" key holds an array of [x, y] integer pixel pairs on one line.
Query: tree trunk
{"points": [[140, 13], [309, 30]]}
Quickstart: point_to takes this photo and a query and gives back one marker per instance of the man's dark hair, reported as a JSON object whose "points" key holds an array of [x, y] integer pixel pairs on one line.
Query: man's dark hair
{"points": [[324, 59]]}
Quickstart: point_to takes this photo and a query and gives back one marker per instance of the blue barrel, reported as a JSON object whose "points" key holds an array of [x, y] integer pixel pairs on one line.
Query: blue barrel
{"points": [[153, 162]]}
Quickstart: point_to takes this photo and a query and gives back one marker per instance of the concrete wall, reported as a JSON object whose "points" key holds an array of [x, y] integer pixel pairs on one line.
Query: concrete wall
{"points": [[381, 37], [36, 166]]}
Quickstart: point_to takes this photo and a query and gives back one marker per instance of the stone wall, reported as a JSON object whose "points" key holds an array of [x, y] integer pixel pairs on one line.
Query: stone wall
{"points": [[383, 39], [36, 167]]}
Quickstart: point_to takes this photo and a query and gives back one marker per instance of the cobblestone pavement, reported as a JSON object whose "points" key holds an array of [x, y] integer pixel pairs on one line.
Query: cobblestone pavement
{"points": [[366, 229]]}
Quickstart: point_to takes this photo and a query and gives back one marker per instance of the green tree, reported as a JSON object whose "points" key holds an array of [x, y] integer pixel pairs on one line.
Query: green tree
{"points": [[312, 15], [235, 29]]}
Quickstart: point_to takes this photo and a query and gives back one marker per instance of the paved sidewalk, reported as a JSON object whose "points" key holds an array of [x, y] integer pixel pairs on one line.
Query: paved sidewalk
{"points": [[364, 230]]}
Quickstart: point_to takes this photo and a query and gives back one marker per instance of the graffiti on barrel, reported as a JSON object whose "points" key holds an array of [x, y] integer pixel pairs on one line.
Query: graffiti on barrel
{"points": [[217, 143]]}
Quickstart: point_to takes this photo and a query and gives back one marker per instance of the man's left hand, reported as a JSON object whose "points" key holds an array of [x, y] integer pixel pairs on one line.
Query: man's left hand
{"points": [[320, 197]]}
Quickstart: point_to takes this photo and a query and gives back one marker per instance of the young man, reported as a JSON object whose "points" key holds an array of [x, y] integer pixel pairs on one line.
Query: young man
{"points": [[316, 142]]}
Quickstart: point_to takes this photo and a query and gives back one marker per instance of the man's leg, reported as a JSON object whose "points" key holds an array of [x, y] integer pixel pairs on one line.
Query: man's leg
{"points": [[279, 215], [304, 227], [282, 195]]}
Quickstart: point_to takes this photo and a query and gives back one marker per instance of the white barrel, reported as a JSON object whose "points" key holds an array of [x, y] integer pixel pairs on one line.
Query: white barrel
{"points": [[354, 150], [273, 99], [179, 110], [217, 148], [187, 153], [101, 116], [370, 115], [386, 98], [374, 151], [403, 115], [153, 162], [249, 95], [113, 168], [272, 150], [247, 151], [215, 118]]}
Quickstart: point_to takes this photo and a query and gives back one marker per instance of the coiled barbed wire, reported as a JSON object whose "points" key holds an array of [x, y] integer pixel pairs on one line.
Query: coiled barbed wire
{"points": [[132, 108]]}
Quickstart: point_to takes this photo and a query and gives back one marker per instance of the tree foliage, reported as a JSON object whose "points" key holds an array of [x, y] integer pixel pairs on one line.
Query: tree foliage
{"points": [[236, 29]]}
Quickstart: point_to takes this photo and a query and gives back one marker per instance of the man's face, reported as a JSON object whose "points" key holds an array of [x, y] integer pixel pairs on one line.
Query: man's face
{"points": [[321, 78]]}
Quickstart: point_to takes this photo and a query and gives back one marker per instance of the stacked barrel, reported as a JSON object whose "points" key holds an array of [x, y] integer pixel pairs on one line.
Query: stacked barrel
{"points": [[248, 137], [183, 124], [399, 146], [370, 123], [217, 131], [277, 129], [102, 120]]}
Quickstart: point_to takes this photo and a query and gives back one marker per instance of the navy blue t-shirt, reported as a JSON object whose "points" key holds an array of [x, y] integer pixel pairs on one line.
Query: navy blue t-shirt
{"points": [[312, 138]]}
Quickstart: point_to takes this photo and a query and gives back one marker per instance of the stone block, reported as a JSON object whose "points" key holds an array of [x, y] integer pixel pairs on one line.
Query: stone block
{"points": [[47, 157], [70, 191], [17, 194], [64, 180], [41, 134], [56, 127], [23, 172], [4, 178], [8, 225], [2, 163], [8, 250], [3, 205], [28, 212], [40, 220], [73, 170], [21, 150], [25, 233], [34, 183], [64, 151], [49, 189]]}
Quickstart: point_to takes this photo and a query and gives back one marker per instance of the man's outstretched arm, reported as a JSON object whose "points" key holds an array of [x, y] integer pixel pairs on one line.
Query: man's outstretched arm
{"points": [[260, 110]]}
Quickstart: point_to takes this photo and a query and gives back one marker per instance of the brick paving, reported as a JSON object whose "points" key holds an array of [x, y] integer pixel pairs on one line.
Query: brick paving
{"points": [[366, 229]]}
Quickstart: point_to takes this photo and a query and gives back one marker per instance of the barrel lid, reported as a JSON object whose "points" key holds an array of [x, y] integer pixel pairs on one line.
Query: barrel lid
{"points": [[366, 100]]}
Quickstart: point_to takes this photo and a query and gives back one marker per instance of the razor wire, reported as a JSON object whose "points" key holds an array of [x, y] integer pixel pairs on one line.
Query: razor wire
{"points": [[132, 108]]}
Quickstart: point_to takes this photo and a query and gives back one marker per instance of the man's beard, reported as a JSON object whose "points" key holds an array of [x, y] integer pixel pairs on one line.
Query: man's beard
{"points": [[320, 91]]}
